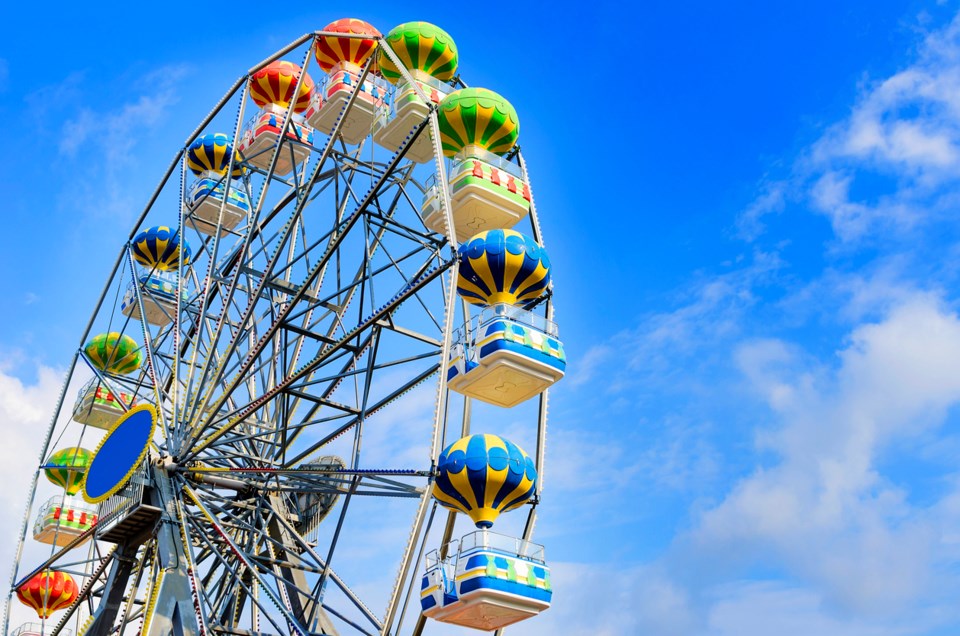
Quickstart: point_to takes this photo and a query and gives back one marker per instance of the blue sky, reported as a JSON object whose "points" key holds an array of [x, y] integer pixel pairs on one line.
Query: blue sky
{"points": [[751, 211]]}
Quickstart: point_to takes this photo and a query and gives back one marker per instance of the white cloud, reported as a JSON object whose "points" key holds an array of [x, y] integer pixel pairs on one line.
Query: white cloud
{"points": [[711, 311], [830, 194], [76, 132], [588, 364], [771, 200], [824, 510], [760, 609], [908, 121], [113, 130], [904, 129], [25, 412], [836, 379]]}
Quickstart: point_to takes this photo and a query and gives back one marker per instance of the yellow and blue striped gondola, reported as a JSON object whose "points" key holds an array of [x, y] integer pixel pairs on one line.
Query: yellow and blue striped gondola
{"points": [[508, 359], [509, 354], [161, 253], [486, 581], [211, 153], [483, 476], [493, 580], [160, 248], [209, 158], [502, 266]]}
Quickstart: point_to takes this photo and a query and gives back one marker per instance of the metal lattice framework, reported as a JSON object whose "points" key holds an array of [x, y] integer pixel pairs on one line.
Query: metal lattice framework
{"points": [[283, 385]]}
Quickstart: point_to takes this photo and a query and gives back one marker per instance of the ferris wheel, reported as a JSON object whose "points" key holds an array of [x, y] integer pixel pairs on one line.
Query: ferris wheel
{"points": [[302, 398]]}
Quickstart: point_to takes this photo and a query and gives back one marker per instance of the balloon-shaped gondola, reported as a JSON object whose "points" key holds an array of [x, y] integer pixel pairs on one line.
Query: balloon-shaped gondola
{"points": [[342, 58], [66, 468], [483, 476], [212, 153], [430, 56], [477, 117], [276, 83], [114, 353], [48, 591], [278, 87], [502, 266], [421, 47], [477, 127], [209, 158], [332, 51], [160, 248]]}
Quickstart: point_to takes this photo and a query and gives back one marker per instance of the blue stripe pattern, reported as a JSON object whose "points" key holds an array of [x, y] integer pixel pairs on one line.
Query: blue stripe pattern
{"points": [[160, 248], [502, 266], [484, 475]]}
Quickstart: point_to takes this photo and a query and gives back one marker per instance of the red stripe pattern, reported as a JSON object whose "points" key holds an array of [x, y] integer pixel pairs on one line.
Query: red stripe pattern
{"points": [[48, 591], [276, 82], [331, 51]]}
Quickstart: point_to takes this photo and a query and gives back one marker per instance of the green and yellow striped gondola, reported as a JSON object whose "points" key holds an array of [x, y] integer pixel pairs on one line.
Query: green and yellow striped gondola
{"points": [[477, 117], [66, 467], [421, 46], [114, 353]]}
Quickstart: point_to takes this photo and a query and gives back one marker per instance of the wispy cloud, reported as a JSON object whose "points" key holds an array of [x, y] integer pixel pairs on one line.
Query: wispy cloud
{"points": [[747, 608], [25, 411], [634, 600], [825, 510], [904, 129], [111, 138], [771, 200], [710, 310], [113, 130]]}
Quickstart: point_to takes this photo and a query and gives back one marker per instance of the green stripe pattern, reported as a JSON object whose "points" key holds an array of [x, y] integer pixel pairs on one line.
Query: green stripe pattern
{"points": [[421, 46], [66, 467], [114, 353], [477, 116]]}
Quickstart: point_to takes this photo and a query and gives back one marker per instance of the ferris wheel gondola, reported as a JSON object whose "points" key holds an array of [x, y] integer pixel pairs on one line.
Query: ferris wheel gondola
{"points": [[267, 456]]}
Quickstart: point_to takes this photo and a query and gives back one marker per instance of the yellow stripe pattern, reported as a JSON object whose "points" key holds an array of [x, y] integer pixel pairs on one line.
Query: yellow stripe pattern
{"points": [[502, 266], [114, 353], [275, 84], [48, 591], [211, 153], [482, 476], [331, 51], [478, 117], [421, 46]]}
